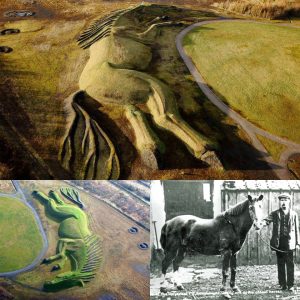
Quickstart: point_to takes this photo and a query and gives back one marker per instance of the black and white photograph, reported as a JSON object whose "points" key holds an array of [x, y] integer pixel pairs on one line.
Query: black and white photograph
{"points": [[225, 239]]}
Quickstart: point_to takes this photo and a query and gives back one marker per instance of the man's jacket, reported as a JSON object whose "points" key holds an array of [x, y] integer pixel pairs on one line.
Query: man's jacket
{"points": [[293, 229]]}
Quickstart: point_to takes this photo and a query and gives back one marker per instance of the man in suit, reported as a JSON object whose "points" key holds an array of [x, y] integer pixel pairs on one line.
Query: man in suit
{"points": [[285, 239]]}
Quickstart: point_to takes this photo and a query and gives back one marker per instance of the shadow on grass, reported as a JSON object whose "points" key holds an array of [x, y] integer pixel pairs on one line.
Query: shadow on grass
{"points": [[235, 153], [235, 150]]}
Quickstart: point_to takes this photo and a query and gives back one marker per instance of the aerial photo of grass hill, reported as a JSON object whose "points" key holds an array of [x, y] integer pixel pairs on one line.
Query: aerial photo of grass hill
{"points": [[74, 240], [143, 90]]}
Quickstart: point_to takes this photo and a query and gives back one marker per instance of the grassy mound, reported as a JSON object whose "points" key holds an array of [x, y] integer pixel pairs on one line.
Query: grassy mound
{"points": [[115, 80], [20, 239], [254, 68]]}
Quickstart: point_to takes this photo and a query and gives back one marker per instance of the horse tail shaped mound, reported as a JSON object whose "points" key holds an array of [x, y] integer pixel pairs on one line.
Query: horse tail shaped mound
{"points": [[87, 152]]}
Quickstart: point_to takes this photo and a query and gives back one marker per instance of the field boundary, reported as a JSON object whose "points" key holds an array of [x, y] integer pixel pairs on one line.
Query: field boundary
{"points": [[108, 203]]}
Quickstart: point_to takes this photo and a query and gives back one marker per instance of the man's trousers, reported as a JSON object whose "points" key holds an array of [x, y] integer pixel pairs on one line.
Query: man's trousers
{"points": [[285, 265]]}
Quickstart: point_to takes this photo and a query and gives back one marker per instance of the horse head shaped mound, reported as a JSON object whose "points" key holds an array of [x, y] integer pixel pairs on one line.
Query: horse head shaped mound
{"points": [[121, 50], [225, 234], [76, 243]]}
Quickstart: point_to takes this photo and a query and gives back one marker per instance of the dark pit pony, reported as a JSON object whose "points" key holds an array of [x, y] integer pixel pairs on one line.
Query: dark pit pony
{"points": [[223, 235]]}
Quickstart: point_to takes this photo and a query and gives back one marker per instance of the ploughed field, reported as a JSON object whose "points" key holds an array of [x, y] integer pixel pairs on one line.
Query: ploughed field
{"points": [[20, 238], [254, 67]]}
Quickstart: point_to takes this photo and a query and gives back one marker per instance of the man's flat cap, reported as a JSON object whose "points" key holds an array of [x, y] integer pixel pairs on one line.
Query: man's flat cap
{"points": [[287, 196]]}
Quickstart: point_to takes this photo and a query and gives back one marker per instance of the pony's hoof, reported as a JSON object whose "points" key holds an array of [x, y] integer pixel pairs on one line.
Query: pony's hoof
{"points": [[180, 287], [149, 159], [44, 261], [226, 295], [163, 289], [236, 289]]}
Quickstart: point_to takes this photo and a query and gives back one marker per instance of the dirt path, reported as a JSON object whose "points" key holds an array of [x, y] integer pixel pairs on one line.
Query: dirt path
{"points": [[19, 195], [279, 168]]}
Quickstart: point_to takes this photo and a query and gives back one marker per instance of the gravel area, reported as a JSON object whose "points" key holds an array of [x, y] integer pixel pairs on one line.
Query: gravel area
{"points": [[255, 282]]}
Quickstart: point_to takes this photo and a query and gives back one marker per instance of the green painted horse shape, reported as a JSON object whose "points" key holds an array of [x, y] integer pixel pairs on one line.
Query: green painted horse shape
{"points": [[76, 243]]}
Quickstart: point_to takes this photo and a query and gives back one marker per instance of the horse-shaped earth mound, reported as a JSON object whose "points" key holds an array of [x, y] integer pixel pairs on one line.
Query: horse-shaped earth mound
{"points": [[121, 50], [76, 243]]}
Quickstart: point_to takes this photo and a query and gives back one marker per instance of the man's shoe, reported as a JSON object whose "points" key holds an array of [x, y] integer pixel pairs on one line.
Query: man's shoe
{"points": [[283, 287], [291, 289]]}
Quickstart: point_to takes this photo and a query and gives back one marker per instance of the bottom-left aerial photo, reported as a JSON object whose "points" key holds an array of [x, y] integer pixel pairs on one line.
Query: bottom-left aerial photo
{"points": [[74, 239]]}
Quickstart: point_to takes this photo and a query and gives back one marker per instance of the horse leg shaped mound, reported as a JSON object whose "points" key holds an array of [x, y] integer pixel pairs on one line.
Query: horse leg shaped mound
{"points": [[75, 243]]}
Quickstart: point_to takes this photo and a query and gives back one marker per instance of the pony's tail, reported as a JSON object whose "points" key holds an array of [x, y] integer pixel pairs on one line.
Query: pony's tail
{"points": [[163, 236], [86, 152]]}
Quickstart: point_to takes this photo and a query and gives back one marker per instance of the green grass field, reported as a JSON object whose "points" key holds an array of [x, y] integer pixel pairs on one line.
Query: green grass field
{"points": [[20, 239], [254, 68]]}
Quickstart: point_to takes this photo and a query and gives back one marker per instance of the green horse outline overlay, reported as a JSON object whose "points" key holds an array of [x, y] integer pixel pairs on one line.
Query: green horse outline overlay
{"points": [[76, 243]]}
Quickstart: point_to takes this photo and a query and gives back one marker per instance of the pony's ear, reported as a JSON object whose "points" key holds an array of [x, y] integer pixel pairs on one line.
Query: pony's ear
{"points": [[250, 198], [260, 197]]}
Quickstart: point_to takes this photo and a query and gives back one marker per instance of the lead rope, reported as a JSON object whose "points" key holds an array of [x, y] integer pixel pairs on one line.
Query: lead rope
{"points": [[276, 249]]}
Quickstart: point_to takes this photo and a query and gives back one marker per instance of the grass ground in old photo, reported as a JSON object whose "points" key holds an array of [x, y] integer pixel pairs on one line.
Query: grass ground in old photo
{"points": [[20, 238], [255, 282], [254, 68]]}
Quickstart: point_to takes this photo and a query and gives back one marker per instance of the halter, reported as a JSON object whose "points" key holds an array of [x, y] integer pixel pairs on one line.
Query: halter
{"points": [[251, 213], [228, 221]]}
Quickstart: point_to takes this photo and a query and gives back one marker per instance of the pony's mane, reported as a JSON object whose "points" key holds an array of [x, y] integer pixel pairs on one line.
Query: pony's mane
{"points": [[237, 209]]}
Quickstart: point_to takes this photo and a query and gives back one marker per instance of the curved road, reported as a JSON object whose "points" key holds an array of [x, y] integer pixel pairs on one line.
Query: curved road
{"points": [[279, 168], [19, 195]]}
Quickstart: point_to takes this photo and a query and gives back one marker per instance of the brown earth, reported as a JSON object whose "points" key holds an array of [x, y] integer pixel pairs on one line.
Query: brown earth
{"points": [[6, 186]]}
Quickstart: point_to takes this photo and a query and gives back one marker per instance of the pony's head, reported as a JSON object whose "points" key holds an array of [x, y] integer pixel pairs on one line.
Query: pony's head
{"points": [[256, 212]]}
